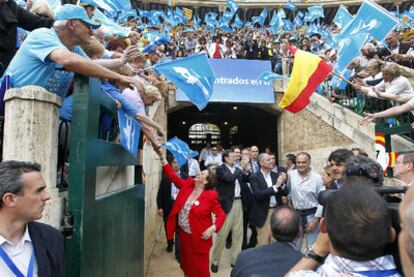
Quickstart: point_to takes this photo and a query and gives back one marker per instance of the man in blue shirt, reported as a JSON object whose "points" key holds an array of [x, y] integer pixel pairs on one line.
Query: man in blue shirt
{"points": [[44, 49]]}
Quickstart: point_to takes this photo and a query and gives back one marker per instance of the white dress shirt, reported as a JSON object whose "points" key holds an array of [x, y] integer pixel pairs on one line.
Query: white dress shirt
{"points": [[193, 167], [213, 159], [268, 180], [19, 253], [237, 193]]}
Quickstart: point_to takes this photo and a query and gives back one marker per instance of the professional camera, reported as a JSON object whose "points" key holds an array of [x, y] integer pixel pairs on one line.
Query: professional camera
{"points": [[364, 171]]}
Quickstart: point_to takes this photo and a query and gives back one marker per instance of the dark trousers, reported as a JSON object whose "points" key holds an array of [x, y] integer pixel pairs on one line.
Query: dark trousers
{"points": [[253, 238], [176, 240]]}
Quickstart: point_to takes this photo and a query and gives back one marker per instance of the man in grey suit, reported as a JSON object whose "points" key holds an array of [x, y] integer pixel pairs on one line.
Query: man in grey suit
{"points": [[277, 258]]}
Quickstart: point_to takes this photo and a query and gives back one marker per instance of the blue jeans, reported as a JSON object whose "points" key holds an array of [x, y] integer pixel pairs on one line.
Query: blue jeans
{"points": [[309, 237]]}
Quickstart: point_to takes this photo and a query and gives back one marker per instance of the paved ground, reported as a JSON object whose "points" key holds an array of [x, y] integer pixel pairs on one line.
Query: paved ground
{"points": [[163, 264]]}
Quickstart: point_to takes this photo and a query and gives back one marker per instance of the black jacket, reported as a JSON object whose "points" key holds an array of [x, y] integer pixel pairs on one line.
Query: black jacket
{"points": [[164, 200], [11, 17], [261, 195], [245, 183], [225, 186], [49, 249], [384, 51], [272, 260]]}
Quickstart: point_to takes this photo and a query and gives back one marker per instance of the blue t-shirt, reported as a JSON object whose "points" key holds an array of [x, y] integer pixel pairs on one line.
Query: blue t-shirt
{"points": [[66, 109], [30, 65]]}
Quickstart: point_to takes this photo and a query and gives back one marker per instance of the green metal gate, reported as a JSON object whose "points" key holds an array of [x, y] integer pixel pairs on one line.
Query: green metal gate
{"points": [[108, 230]]}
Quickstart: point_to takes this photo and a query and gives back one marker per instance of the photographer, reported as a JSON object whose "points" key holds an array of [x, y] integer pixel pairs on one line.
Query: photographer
{"points": [[354, 235]]}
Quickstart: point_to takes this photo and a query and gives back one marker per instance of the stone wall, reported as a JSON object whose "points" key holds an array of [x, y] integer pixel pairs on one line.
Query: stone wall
{"points": [[31, 134], [151, 180], [304, 131]]}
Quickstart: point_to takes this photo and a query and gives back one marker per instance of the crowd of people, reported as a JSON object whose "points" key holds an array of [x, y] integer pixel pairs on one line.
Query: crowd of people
{"points": [[270, 217], [292, 212]]}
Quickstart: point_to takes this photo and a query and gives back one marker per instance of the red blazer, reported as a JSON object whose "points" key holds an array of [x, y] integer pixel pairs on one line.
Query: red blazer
{"points": [[200, 216]]}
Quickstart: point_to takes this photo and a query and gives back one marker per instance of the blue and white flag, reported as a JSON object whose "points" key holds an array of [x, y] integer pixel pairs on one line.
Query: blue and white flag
{"points": [[308, 18], [225, 27], [281, 13], [316, 12], [180, 150], [193, 75], [298, 21], [288, 25], [233, 7], [261, 18], [371, 18], [349, 49], [291, 6], [271, 76], [342, 17], [156, 39], [130, 131], [197, 22], [300, 14], [110, 27], [238, 23]]}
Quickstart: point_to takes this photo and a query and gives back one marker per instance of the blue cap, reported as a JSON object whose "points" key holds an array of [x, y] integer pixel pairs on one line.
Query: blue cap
{"points": [[69, 11]]}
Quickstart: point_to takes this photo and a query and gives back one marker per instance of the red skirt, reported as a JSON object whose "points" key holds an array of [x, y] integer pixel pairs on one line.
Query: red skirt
{"points": [[193, 264]]}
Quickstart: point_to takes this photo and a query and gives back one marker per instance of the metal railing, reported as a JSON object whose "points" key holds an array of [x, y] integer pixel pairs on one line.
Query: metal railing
{"points": [[360, 104]]}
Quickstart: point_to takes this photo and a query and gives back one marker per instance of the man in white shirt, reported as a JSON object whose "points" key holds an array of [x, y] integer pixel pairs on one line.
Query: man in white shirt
{"points": [[204, 153], [215, 157], [305, 185], [27, 248]]}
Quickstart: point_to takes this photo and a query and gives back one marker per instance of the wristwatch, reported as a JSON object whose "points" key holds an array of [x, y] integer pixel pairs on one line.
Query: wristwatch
{"points": [[312, 255]]}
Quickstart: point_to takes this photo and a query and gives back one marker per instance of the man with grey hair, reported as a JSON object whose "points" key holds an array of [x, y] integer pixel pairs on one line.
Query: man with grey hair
{"points": [[305, 185], [27, 247], [45, 49], [268, 188]]}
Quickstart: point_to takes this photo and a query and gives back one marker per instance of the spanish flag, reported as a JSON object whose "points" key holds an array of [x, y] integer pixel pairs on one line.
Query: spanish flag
{"points": [[308, 72]]}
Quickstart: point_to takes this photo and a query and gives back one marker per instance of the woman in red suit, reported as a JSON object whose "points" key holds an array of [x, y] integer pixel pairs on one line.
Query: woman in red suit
{"points": [[191, 214]]}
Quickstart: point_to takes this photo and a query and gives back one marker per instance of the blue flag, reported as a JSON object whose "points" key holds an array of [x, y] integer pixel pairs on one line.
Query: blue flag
{"points": [[300, 14], [371, 18], [109, 26], [232, 6], [342, 17], [288, 25], [298, 21], [281, 13], [238, 23], [180, 150], [349, 49], [291, 6], [130, 131], [271, 76], [308, 18], [316, 12], [261, 18], [193, 75]]}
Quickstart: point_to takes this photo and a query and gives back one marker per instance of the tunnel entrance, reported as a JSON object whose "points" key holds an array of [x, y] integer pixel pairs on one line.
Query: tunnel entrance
{"points": [[225, 124]]}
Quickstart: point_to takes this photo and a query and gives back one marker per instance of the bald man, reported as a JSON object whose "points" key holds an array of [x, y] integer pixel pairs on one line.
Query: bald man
{"points": [[406, 238]]}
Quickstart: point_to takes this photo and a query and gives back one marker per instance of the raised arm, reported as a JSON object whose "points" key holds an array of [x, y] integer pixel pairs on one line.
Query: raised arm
{"points": [[172, 176]]}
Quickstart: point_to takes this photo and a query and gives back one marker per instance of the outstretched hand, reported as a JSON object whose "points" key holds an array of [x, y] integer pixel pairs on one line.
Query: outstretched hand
{"points": [[367, 119]]}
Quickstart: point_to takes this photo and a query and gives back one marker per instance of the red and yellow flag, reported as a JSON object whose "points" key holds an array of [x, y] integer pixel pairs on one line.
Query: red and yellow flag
{"points": [[308, 72]]}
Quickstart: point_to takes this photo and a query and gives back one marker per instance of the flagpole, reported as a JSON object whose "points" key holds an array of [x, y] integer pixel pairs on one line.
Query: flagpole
{"points": [[340, 77]]}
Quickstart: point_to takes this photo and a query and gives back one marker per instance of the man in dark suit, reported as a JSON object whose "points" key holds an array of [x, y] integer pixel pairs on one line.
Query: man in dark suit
{"points": [[29, 247], [230, 195], [167, 193], [277, 258], [268, 189]]}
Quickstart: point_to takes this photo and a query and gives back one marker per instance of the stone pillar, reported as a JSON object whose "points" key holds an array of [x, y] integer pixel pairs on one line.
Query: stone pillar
{"points": [[31, 134]]}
